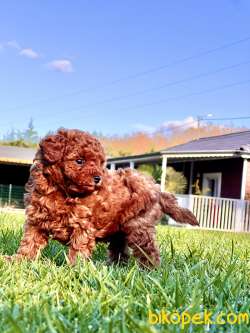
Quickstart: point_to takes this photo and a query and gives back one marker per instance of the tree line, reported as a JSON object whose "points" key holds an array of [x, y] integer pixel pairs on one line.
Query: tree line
{"points": [[131, 144]]}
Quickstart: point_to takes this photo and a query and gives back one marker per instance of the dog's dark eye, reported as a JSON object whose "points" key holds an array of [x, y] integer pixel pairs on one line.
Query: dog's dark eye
{"points": [[80, 161]]}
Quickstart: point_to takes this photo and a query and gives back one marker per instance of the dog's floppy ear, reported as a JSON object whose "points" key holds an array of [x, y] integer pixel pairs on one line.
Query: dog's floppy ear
{"points": [[52, 147]]}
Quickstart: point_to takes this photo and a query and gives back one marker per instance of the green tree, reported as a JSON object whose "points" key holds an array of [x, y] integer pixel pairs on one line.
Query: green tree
{"points": [[176, 182], [153, 170], [30, 135], [26, 138]]}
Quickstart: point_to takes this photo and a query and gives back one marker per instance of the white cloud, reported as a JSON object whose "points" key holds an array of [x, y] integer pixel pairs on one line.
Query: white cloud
{"points": [[189, 122], [180, 124], [175, 125], [14, 44], [26, 52], [29, 53], [61, 65]]}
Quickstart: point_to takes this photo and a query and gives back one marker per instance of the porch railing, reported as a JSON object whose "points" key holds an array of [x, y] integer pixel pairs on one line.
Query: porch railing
{"points": [[218, 213]]}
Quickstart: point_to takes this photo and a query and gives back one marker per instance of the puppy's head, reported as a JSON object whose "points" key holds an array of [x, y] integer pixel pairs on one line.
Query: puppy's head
{"points": [[74, 160]]}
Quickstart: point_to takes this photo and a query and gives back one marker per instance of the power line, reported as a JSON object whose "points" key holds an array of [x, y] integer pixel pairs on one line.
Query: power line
{"points": [[201, 118], [165, 85], [202, 92], [206, 119], [229, 118], [189, 124], [134, 76]]}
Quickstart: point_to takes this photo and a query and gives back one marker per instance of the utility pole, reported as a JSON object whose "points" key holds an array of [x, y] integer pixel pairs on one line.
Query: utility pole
{"points": [[199, 119]]}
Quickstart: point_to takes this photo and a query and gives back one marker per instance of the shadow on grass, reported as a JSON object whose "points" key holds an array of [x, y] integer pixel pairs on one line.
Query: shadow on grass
{"points": [[54, 251]]}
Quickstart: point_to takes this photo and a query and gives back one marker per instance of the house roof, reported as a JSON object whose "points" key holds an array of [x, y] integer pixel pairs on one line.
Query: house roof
{"points": [[16, 155], [147, 156], [220, 146], [239, 141]]}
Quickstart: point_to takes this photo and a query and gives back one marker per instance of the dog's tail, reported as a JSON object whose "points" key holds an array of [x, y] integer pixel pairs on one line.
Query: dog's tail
{"points": [[170, 207]]}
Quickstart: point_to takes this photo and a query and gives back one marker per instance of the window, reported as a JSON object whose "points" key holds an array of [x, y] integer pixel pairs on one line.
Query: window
{"points": [[211, 184]]}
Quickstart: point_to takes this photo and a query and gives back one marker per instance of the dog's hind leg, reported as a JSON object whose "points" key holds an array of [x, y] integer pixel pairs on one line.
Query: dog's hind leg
{"points": [[118, 248], [140, 234], [142, 242]]}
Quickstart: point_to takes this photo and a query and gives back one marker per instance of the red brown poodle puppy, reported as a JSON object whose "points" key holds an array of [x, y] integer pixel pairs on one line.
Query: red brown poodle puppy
{"points": [[74, 199]]}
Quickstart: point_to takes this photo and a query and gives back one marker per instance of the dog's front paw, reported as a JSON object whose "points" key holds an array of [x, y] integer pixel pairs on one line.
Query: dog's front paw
{"points": [[120, 259], [73, 256], [9, 258]]}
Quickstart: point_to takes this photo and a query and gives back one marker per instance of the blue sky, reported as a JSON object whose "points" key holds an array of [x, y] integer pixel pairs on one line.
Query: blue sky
{"points": [[118, 66]]}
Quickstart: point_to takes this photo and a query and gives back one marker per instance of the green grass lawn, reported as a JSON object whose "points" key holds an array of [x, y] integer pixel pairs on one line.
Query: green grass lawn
{"points": [[199, 270]]}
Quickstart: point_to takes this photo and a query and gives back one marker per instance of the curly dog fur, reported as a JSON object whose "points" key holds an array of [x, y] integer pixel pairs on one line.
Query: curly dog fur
{"points": [[73, 198]]}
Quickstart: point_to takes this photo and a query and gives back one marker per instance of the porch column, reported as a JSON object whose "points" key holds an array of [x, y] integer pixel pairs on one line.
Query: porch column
{"points": [[191, 177], [132, 164], [112, 166], [244, 179], [163, 172]]}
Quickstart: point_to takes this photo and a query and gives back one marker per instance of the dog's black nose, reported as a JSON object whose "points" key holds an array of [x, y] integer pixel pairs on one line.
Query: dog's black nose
{"points": [[97, 179]]}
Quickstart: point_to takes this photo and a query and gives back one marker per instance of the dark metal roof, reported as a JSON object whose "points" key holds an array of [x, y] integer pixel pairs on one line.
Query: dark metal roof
{"points": [[227, 142], [17, 154], [133, 157]]}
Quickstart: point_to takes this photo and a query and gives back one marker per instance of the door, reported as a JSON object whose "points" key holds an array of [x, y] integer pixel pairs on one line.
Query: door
{"points": [[211, 184]]}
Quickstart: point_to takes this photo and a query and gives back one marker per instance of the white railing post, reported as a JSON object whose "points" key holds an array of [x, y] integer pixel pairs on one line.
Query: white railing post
{"points": [[132, 164], [10, 193], [244, 179], [190, 203], [190, 188], [163, 172], [112, 166], [239, 216]]}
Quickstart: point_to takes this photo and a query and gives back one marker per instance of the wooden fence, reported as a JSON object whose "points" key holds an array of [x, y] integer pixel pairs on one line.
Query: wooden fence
{"points": [[218, 213]]}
